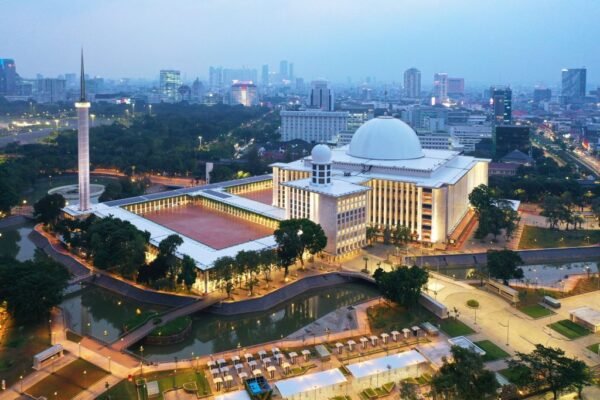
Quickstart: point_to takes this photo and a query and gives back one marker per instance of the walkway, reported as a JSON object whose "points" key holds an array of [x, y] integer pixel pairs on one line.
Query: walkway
{"points": [[138, 334]]}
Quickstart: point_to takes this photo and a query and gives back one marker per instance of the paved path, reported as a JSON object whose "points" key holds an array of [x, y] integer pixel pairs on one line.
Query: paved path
{"points": [[138, 334]]}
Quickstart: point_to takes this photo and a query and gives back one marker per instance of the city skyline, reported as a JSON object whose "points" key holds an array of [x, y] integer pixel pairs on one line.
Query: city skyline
{"points": [[407, 35]]}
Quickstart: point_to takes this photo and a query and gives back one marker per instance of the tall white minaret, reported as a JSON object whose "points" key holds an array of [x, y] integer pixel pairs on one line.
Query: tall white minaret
{"points": [[83, 144]]}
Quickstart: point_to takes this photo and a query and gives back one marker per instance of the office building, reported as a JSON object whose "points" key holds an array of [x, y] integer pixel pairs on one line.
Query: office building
{"points": [[215, 78], [541, 95], [469, 135], [71, 80], [321, 96], [170, 81], [8, 77], [412, 83], [508, 138], [456, 87], [573, 85], [283, 70], [440, 88], [51, 90], [313, 126], [438, 140], [291, 71], [501, 103], [197, 90], [264, 78], [244, 93]]}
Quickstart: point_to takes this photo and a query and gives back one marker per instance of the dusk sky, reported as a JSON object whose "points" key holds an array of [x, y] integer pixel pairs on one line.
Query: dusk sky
{"points": [[507, 41]]}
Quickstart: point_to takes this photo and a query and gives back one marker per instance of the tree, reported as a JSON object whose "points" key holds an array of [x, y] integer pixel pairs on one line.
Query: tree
{"points": [[294, 237], [268, 258], [371, 234], [47, 209], [548, 368], [408, 390], [464, 377], [31, 288], [114, 244], [596, 208], [223, 269], [402, 234], [504, 264], [494, 214], [188, 272], [402, 285]]}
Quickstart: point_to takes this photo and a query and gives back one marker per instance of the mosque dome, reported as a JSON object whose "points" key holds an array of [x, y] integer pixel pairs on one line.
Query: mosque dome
{"points": [[385, 138], [321, 154]]}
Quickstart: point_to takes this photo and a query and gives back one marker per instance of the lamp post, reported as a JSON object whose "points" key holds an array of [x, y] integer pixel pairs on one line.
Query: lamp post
{"points": [[141, 361], [109, 370], [21, 379], [85, 378], [79, 348]]}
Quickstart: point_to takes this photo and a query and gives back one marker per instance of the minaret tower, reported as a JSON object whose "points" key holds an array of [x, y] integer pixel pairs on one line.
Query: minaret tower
{"points": [[83, 144]]}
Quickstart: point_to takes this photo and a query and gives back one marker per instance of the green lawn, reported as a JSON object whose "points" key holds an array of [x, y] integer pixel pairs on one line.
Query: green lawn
{"points": [[536, 311], [492, 351], [173, 327], [390, 317], [454, 327], [569, 329], [17, 348], [68, 381], [594, 347], [535, 237], [166, 381]]}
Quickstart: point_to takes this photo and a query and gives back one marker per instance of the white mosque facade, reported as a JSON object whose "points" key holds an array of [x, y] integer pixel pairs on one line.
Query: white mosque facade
{"points": [[383, 179]]}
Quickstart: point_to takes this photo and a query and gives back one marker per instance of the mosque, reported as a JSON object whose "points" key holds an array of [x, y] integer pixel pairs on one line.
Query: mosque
{"points": [[383, 178]]}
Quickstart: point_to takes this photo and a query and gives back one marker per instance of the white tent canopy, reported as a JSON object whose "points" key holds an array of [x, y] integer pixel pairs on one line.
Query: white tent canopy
{"points": [[304, 383], [383, 364]]}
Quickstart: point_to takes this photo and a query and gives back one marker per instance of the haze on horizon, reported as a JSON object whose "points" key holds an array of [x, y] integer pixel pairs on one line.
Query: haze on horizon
{"points": [[508, 41]]}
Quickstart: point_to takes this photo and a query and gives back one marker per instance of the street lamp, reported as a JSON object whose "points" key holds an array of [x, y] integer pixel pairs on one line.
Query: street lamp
{"points": [[141, 360], [21, 379], [109, 370], [85, 378]]}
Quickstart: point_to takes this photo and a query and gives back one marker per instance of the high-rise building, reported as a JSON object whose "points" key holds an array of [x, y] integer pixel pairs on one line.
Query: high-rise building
{"points": [[71, 80], [541, 95], [321, 96], [291, 72], [313, 125], [215, 78], [501, 103], [170, 81], [8, 77], [573, 85], [283, 69], [264, 79], [440, 88], [197, 90], [244, 93], [412, 83], [456, 87], [51, 90], [510, 137]]}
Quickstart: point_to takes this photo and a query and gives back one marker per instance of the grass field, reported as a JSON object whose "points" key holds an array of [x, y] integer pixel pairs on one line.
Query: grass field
{"points": [[173, 327], [454, 327], [569, 329], [166, 380], [535, 237], [68, 381], [387, 318], [17, 348], [492, 351], [536, 311], [594, 347]]}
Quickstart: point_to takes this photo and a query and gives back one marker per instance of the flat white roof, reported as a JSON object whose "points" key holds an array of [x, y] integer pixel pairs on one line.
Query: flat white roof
{"points": [[239, 395], [49, 352], [380, 365], [465, 343], [305, 383], [587, 314], [338, 187]]}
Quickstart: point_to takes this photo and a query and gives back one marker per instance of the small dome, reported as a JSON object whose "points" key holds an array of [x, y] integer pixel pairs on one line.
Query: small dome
{"points": [[321, 154], [385, 138]]}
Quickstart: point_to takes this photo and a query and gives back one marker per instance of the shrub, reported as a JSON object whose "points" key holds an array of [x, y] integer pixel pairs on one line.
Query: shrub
{"points": [[473, 303]]}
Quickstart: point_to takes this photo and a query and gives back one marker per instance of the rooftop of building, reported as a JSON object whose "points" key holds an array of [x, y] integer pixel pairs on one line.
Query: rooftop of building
{"points": [[337, 188]]}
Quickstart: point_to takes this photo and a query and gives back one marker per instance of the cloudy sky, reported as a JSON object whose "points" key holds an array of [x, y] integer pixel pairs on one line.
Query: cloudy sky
{"points": [[484, 41]]}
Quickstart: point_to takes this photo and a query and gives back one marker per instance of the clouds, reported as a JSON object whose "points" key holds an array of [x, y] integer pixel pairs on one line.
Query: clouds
{"points": [[485, 41]]}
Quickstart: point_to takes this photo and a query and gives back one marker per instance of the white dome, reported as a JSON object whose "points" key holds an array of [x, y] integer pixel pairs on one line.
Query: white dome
{"points": [[385, 138], [321, 154]]}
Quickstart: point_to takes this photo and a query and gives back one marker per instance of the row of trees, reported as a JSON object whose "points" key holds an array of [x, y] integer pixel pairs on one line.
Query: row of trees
{"points": [[561, 209], [402, 285], [494, 214], [245, 268]]}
